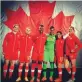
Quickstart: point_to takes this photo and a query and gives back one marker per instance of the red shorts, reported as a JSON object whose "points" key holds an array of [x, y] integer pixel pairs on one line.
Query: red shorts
{"points": [[73, 56], [11, 56], [59, 60], [37, 56], [24, 57]]}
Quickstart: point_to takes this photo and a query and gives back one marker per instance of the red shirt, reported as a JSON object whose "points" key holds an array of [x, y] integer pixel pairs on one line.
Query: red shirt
{"points": [[59, 47], [11, 43], [26, 43], [39, 42], [71, 42]]}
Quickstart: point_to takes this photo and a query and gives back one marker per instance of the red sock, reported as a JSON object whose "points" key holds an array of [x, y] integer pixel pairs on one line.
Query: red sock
{"points": [[20, 70], [60, 72], [5, 67], [33, 69], [11, 71], [39, 69], [73, 72], [68, 70], [26, 71]]}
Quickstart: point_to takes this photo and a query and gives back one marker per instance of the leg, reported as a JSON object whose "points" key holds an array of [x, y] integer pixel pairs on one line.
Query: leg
{"points": [[60, 73], [33, 69], [60, 70], [39, 70], [44, 71], [11, 69], [26, 72], [51, 59], [20, 71], [5, 68], [73, 68], [66, 64], [51, 72]]}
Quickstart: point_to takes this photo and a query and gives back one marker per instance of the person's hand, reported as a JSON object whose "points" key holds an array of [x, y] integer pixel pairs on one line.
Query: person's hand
{"points": [[76, 46], [3, 53], [72, 51], [61, 58], [28, 57]]}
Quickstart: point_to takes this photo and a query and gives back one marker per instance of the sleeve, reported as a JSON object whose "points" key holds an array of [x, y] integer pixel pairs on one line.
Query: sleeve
{"points": [[78, 43], [67, 50], [19, 42], [34, 38], [5, 41]]}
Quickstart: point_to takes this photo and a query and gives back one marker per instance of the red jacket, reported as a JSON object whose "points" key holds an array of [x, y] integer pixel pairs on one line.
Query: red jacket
{"points": [[26, 43], [11, 43], [71, 42], [60, 48], [39, 42]]}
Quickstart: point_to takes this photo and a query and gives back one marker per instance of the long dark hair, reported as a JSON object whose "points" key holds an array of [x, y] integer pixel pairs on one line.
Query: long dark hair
{"points": [[57, 35]]}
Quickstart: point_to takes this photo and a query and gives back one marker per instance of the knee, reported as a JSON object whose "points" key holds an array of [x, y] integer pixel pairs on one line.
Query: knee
{"points": [[40, 62], [21, 64], [59, 65], [52, 64], [12, 62], [7, 62], [33, 61], [26, 64], [44, 64]]}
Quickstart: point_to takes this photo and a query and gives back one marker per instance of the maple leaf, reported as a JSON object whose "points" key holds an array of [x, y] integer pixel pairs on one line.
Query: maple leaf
{"points": [[18, 17], [10, 18], [62, 23], [41, 13]]}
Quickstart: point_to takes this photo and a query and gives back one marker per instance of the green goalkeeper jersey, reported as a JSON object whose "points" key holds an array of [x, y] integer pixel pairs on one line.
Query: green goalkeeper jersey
{"points": [[49, 48]]}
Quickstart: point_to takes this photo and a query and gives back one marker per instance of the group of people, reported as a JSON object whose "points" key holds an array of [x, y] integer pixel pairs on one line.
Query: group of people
{"points": [[41, 49]]}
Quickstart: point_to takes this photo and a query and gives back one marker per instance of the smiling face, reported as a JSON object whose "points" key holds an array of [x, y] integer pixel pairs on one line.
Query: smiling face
{"points": [[16, 28], [41, 29], [52, 30], [59, 35], [71, 30], [28, 31]]}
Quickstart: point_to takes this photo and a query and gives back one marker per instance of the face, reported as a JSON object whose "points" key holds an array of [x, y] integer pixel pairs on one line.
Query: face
{"points": [[16, 28], [52, 31], [28, 30], [59, 35], [41, 29], [71, 30]]}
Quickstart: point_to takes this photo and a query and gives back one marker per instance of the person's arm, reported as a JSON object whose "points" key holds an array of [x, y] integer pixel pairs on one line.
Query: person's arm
{"points": [[5, 41], [67, 50], [78, 43]]}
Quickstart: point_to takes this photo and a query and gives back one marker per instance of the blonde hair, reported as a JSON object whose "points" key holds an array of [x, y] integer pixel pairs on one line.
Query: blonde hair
{"points": [[15, 25]]}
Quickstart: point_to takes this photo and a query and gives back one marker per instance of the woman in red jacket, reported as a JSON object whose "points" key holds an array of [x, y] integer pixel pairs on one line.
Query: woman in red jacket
{"points": [[26, 44], [59, 54], [10, 49], [72, 46]]}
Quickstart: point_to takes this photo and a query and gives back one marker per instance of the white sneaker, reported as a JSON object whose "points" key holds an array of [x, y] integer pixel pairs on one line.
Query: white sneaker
{"points": [[26, 79], [18, 79]]}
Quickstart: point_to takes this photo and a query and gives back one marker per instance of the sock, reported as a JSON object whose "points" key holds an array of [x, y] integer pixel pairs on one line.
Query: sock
{"points": [[73, 72], [11, 71], [68, 70], [20, 70], [52, 67], [33, 69], [26, 70], [39, 68], [44, 69], [60, 72], [5, 67]]}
